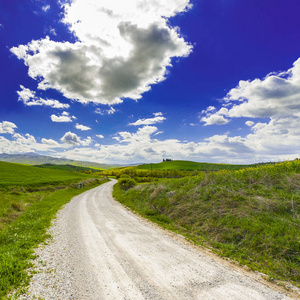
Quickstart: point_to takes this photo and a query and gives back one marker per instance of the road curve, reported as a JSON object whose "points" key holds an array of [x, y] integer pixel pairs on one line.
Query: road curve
{"points": [[102, 251]]}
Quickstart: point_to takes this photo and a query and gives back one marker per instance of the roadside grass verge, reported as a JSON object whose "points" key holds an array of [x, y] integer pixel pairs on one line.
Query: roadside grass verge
{"points": [[251, 216], [26, 211]]}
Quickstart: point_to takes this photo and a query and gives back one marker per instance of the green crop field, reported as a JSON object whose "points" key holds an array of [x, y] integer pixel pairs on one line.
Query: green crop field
{"points": [[189, 165], [29, 199]]}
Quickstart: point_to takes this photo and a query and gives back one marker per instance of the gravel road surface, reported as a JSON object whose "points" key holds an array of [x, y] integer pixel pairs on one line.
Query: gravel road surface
{"points": [[100, 250]]}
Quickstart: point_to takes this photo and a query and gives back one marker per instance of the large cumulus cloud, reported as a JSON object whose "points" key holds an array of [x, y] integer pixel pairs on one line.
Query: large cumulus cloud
{"points": [[122, 49], [273, 105], [275, 96]]}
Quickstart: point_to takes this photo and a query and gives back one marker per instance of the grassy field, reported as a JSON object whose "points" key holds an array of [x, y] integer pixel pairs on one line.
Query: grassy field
{"points": [[251, 216], [29, 199], [67, 167], [19, 175], [189, 165]]}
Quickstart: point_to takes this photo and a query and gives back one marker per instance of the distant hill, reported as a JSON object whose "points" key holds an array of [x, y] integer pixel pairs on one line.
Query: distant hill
{"points": [[36, 159], [189, 166], [71, 168]]}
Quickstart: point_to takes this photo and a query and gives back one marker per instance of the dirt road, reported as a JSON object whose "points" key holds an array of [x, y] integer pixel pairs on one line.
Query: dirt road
{"points": [[103, 251]]}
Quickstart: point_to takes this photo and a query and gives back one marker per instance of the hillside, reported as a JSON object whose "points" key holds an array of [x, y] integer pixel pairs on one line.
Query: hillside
{"points": [[250, 215], [16, 174], [29, 199], [36, 159], [190, 165], [71, 168]]}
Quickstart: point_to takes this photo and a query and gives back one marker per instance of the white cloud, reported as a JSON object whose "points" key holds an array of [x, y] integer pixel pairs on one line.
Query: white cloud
{"points": [[82, 127], [274, 99], [159, 132], [27, 143], [27, 139], [212, 118], [100, 136], [111, 111], [52, 31], [45, 8], [87, 141], [275, 140], [158, 118], [275, 96], [121, 50], [64, 117], [71, 138], [50, 142], [7, 127], [99, 111], [249, 123], [29, 98]]}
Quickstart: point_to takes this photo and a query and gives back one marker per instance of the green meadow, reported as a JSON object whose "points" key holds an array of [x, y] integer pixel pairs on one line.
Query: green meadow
{"points": [[251, 215], [30, 197], [189, 165]]}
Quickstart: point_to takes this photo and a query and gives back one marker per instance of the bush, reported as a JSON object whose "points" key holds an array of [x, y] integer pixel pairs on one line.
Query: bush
{"points": [[124, 176], [127, 183]]}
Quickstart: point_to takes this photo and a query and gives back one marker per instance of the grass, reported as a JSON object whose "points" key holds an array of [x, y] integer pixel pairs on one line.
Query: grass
{"points": [[68, 167], [251, 216], [19, 175], [29, 200], [189, 166]]}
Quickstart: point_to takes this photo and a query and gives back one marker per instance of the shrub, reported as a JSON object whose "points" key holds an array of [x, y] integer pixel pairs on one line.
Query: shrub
{"points": [[127, 183]]}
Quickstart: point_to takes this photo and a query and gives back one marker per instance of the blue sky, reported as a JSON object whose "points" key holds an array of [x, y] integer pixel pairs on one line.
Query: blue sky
{"points": [[116, 82]]}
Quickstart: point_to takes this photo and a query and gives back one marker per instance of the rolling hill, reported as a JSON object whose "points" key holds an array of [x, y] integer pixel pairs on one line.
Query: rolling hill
{"points": [[36, 159], [16, 174], [190, 166]]}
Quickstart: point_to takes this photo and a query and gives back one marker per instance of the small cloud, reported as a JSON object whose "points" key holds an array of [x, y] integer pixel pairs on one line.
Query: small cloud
{"points": [[27, 139], [158, 118], [214, 120], [29, 98], [50, 142], [7, 127], [100, 136], [63, 118], [99, 111], [87, 141], [217, 118], [249, 123], [52, 31], [82, 127], [111, 111], [70, 139], [46, 8], [159, 132]]}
